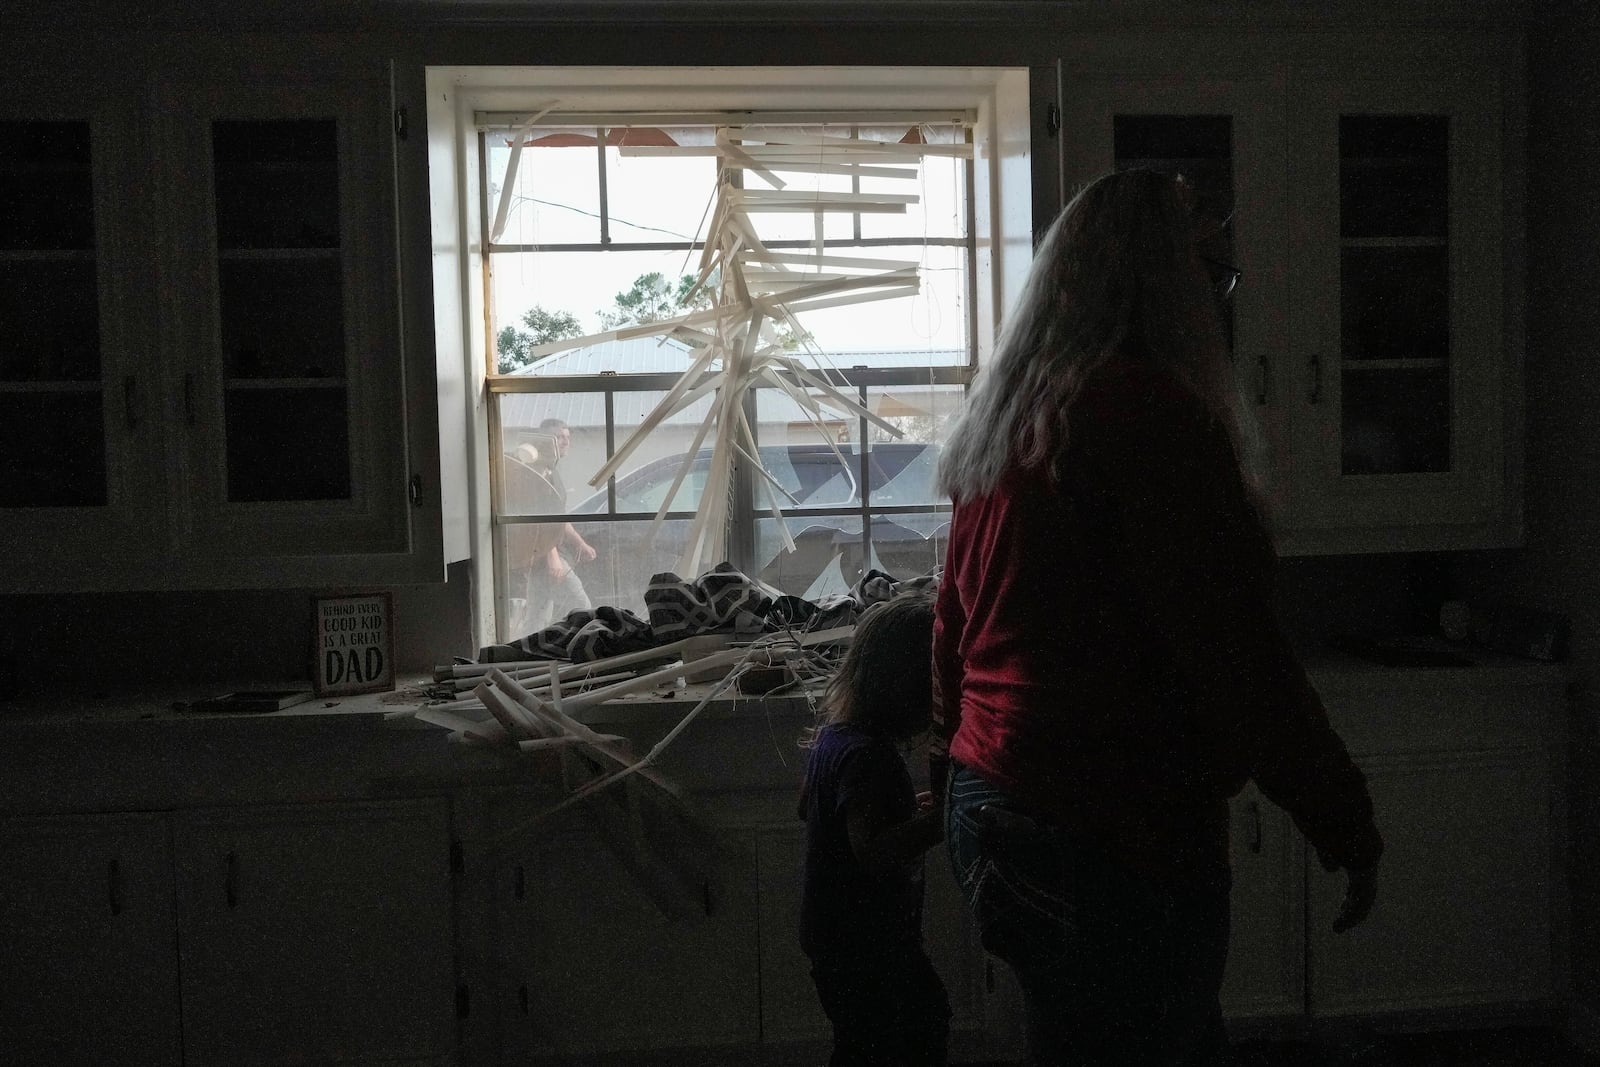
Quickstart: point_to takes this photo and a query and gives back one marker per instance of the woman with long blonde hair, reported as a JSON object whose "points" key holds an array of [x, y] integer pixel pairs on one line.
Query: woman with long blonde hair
{"points": [[1109, 669]]}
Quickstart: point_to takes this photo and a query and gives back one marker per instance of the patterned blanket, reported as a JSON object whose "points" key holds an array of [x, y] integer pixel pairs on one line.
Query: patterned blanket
{"points": [[722, 599]]}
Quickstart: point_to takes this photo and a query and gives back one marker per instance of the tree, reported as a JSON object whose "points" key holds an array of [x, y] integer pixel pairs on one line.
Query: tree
{"points": [[652, 298], [542, 326]]}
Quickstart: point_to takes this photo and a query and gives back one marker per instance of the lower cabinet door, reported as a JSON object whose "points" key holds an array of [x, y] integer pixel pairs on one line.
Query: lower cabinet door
{"points": [[984, 1023], [1462, 915], [789, 1007], [601, 967], [1266, 951], [88, 973], [316, 934]]}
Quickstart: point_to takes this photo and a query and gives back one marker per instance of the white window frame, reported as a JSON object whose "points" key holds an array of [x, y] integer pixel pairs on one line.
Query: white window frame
{"points": [[1001, 215]]}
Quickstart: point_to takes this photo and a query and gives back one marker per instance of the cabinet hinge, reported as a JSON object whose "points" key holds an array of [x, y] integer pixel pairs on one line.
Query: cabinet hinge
{"points": [[1052, 119], [463, 1002], [414, 490], [458, 860], [400, 122]]}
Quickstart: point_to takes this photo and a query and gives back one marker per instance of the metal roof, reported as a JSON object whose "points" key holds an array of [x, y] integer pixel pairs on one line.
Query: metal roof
{"points": [[651, 355]]}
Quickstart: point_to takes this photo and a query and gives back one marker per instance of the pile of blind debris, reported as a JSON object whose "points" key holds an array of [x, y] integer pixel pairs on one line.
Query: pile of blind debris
{"points": [[720, 631]]}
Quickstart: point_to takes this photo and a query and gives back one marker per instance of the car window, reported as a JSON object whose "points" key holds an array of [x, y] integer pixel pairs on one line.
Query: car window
{"points": [[897, 473], [648, 493], [905, 475], [812, 474]]}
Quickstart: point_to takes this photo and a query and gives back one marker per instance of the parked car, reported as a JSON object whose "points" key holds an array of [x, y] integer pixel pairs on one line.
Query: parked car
{"points": [[828, 555]]}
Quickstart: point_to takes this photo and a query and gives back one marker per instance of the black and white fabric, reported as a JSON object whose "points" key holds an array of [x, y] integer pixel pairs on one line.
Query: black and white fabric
{"points": [[581, 636], [722, 597], [720, 600]]}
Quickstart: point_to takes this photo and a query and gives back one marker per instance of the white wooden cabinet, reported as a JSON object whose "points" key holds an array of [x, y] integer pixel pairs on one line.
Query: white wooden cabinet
{"points": [[1368, 328], [79, 413], [1397, 347], [789, 1007], [1463, 915], [241, 936], [316, 933], [89, 974], [1462, 766], [1265, 978], [202, 366], [590, 966], [982, 1020], [282, 317], [1226, 137], [586, 966]]}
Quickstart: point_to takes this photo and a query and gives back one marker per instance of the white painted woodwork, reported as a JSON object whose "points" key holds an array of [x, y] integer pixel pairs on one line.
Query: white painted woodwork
{"points": [[605, 971], [89, 974], [1266, 949], [347, 902], [1463, 910], [317, 933], [789, 1007], [1255, 108], [374, 517], [1286, 310], [1473, 491], [167, 522], [129, 526]]}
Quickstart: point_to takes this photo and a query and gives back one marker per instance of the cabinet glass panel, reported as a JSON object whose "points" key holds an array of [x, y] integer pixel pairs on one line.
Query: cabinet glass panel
{"points": [[1198, 148], [288, 443], [1394, 282], [281, 300], [52, 437]]}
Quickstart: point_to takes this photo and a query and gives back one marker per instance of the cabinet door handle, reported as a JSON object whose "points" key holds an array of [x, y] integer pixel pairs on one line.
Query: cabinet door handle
{"points": [[130, 402], [705, 891], [519, 882], [1314, 391], [1254, 808], [188, 399], [230, 882], [1261, 380], [114, 885], [522, 997]]}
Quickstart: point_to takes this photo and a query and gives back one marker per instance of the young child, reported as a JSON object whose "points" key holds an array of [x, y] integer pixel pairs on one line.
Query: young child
{"points": [[866, 832]]}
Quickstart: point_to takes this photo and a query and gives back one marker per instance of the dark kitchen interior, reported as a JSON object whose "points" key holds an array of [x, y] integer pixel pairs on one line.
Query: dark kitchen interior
{"points": [[104, 615]]}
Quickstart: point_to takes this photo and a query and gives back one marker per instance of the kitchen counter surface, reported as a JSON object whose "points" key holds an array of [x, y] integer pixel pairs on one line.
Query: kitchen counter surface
{"points": [[138, 751]]}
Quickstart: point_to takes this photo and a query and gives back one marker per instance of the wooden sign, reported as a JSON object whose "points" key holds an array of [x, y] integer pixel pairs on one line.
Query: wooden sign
{"points": [[352, 644]]}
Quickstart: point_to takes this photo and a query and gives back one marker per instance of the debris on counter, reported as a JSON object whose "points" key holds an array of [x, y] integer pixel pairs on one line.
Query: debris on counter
{"points": [[705, 638]]}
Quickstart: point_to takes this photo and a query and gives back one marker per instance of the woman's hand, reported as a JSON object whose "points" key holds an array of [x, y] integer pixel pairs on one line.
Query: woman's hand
{"points": [[1359, 894]]}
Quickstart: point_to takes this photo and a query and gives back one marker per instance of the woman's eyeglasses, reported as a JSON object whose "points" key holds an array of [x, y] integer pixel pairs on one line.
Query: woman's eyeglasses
{"points": [[1224, 276]]}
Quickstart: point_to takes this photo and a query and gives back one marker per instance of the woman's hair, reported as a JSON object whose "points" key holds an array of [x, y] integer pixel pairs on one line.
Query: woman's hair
{"points": [[886, 680], [1117, 274]]}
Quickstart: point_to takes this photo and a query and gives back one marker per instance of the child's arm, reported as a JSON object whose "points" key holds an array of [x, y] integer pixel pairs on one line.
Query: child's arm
{"points": [[884, 847]]}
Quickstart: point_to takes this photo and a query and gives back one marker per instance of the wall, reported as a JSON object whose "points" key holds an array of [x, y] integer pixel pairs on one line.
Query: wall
{"points": [[1560, 567], [106, 643]]}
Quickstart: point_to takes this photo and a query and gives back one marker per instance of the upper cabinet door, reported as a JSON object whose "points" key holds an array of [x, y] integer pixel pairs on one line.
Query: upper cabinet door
{"points": [[1226, 140], [79, 412], [1396, 296], [286, 377]]}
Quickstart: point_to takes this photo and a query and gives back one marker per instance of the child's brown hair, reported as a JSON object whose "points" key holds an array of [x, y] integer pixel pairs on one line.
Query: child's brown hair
{"points": [[886, 680]]}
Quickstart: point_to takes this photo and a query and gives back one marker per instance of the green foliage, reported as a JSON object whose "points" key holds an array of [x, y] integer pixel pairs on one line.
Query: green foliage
{"points": [[512, 344], [652, 298]]}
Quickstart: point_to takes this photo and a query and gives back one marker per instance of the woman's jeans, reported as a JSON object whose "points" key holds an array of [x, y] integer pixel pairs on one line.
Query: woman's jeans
{"points": [[1115, 969]]}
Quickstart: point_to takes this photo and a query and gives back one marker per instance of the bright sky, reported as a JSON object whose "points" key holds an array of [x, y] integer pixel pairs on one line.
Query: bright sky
{"points": [[666, 199]]}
